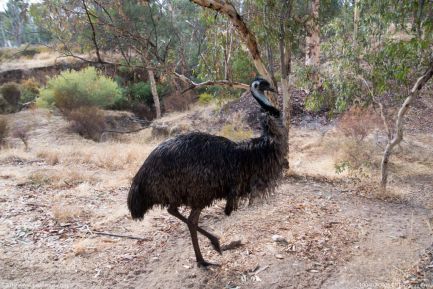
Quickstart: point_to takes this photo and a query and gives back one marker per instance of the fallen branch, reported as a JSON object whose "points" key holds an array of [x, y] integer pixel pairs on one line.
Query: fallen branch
{"points": [[121, 236], [258, 270], [127, 131], [226, 83]]}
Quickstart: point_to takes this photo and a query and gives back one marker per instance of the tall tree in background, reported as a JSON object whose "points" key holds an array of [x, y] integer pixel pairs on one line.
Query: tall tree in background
{"points": [[312, 43]]}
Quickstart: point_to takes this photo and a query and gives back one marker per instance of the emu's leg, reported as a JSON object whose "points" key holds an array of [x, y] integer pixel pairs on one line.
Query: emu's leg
{"points": [[192, 226], [212, 238]]}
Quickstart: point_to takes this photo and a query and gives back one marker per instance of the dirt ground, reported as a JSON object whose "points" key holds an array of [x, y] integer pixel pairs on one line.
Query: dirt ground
{"points": [[60, 200]]}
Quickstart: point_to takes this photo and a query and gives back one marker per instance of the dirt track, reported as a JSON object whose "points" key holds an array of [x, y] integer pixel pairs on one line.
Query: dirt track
{"points": [[56, 198]]}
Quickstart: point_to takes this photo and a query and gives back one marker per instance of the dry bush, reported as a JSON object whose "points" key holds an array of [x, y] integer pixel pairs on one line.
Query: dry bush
{"points": [[50, 157], [358, 122], [89, 122], [356, 155], [4, 130], [11, 93], [178, 102], [21, 131], [143, 111]]}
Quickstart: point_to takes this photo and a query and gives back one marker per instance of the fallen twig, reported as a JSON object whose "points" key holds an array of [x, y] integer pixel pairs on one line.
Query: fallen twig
{"points": [[120, 236], [259, 270]]}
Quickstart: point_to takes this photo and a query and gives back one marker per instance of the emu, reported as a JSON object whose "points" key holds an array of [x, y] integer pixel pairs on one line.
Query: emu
{"points": [[196, 169]]}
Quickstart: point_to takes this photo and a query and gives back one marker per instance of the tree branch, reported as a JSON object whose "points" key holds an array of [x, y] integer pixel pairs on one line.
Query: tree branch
{"points": [[227, 8], [226, 83], [98, 55]]}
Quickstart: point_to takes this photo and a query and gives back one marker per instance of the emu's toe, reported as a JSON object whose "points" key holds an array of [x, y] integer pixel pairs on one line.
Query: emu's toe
{"points": [[204, 264], [216, 245]]}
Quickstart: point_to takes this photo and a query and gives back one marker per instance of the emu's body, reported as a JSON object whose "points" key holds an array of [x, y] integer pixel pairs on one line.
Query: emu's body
{"points": [[197, 169]]}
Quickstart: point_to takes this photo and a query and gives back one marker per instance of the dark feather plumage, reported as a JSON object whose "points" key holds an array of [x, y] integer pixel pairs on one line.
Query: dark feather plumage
{"points": [[196, 169]]}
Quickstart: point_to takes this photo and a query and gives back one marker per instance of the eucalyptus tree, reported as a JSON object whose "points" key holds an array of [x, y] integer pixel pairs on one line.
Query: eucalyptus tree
{"points": [[142, 33], [377, 58]]}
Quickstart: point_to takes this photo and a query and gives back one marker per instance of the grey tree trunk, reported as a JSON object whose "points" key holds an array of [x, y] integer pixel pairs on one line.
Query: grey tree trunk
{"points": [[227, 8], [398, 136], [154, 92], [312, 42], [356, 13]]}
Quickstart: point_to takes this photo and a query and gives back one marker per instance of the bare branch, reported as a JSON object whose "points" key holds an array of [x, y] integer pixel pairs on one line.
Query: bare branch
{"points": [[98, 55], [399, 122], [227, 8], [226, 83]]}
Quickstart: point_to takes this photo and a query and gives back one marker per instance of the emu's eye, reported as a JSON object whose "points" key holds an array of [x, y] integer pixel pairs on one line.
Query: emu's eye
{"points": [[255, 85]]}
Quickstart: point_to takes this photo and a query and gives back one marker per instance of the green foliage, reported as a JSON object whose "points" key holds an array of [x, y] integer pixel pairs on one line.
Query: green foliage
{"points": [[141, 92], [242, 68], [30, 90], [11, 93], [205, 98], [74, 89]]}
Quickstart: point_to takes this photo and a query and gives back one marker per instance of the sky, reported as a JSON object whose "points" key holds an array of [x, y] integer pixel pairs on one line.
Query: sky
{"points": [[3, 3]]}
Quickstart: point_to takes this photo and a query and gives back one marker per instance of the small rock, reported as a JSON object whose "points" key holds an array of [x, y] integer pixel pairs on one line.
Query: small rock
{"points": [[232, 245], [280, 239], [279, 256]]}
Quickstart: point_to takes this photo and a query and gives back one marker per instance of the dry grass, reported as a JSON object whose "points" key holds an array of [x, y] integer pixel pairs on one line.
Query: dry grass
{"points": [[60, 178], [85, 246], [4, 130], [235, 129], [64, 213], [51, 157]]}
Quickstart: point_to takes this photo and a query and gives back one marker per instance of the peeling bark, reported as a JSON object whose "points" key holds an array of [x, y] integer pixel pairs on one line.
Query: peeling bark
{"points": [[312, 43], [154, 92]]}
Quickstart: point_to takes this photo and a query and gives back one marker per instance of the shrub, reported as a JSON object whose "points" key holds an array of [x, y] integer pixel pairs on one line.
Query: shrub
{"points": [[205, 98], [4, 130], [235, 133], [74, 89], [89, 122], [357, 156], [358, 122], [11, 93], [30, 90], [141, 92], [21, 131]]}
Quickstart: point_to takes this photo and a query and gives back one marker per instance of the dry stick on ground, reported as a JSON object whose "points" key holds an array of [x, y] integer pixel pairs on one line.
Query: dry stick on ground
{"points": [[120, 236], [398, 136]]}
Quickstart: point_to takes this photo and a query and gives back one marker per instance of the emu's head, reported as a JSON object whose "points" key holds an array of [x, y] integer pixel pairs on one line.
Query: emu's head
{"points": [[258, 88]]}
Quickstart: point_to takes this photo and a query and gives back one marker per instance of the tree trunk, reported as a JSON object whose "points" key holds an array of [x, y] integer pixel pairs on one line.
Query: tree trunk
{"points": [[398, 137], [356, 13], [312, 42], [285, 66], [227, 8], [154, 92]]}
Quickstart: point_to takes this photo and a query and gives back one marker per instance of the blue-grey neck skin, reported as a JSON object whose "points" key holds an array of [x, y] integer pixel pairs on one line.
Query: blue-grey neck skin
{"points": [[259, 95]]}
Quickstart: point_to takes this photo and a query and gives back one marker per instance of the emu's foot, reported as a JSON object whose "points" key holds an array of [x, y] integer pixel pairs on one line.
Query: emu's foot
{"points": [[216, 245], [204, 264]]}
